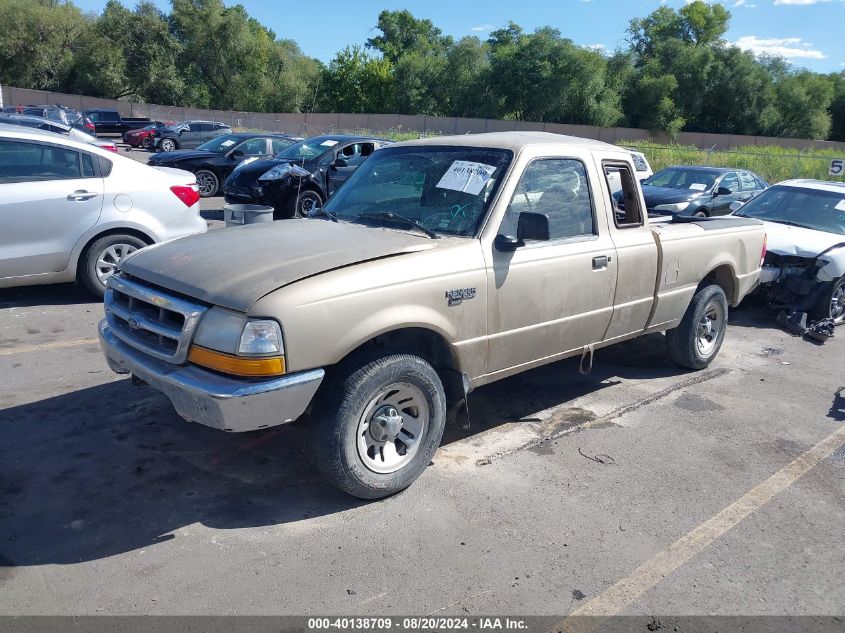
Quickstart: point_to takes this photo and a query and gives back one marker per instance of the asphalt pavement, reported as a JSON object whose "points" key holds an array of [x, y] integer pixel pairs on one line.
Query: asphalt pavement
{"points": [[639, 489]]}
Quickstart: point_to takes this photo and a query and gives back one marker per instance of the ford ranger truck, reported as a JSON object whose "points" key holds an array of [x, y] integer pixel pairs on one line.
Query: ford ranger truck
{"points": [[440, 265]]}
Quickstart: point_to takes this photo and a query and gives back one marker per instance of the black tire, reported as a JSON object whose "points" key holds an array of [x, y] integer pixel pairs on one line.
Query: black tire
{"points": [[168, 145], [305, 202], [350, 399], [147, 143], [687, 345], [701, 213], [87, 269], [825, 309], [208, 183]]}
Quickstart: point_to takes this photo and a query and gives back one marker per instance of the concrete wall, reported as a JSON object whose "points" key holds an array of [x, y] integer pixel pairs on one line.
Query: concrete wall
{"points": [[322, 123]]}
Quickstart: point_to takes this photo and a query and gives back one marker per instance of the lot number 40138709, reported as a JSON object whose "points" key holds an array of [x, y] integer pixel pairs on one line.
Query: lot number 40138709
{"points": [[837, 167]]}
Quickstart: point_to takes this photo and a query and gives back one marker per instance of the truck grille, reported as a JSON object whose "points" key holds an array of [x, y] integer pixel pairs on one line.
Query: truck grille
{"points": [[154, 322]]}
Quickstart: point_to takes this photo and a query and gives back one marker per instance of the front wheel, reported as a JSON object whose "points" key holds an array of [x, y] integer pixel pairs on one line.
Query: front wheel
{"points": [[832, 303], [306, 202], [378, 424], [701, 213], [168, 145], [698, 337], [101, 259]]}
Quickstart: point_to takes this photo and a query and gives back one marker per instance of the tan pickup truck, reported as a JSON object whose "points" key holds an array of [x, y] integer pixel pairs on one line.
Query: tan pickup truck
{"points": [[440, 265]]}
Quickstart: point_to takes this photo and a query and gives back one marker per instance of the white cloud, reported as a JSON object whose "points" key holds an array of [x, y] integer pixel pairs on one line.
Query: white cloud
{"points": [[799, 1], [485, 28], [744, 3], [596, 47], [789, 47]]}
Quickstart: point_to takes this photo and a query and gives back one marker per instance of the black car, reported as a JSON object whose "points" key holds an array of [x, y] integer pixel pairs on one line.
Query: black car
{"points": [[214, 160], [328, 160], [699, 191]]}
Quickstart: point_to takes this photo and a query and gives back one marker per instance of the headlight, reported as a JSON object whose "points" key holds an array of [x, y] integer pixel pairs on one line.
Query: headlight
{"points": [[246, 161], [276, 173], [673, 208], [261, 337], [230, 343]]}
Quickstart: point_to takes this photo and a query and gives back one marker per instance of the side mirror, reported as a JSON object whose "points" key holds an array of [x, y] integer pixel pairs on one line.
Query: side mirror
{"points": [[340, 162], [532, 226], [236, 154], [724, 191], [736, 204], [506, 243]]}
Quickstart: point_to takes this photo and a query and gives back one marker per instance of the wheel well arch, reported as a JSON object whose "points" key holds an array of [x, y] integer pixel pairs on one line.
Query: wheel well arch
{"points": [[114, 231], [724, 277], [425, 343]]}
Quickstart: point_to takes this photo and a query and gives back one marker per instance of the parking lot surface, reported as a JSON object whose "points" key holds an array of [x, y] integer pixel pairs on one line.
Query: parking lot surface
{"points": [[601, 493]]}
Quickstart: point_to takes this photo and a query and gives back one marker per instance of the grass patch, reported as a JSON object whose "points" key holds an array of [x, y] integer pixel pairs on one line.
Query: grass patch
{"points": [[770, 162]]}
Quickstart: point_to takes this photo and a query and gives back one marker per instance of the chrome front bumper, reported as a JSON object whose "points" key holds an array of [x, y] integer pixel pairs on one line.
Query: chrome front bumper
{"points": [[211, 399]]}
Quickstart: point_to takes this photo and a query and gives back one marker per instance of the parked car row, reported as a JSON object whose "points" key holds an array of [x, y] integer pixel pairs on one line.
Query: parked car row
{"points": [[50, 125]]}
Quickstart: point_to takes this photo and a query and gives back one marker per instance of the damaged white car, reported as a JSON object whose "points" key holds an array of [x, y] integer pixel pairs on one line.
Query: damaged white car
{"points": [[804, 268]]}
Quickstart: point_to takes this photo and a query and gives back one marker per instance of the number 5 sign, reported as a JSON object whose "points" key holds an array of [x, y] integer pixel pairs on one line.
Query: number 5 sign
{"points": [[837, 167]]}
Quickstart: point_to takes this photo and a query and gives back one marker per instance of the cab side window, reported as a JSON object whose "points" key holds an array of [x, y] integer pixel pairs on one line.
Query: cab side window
{"points": [[557, 188], [748, 182], [625, 202]]}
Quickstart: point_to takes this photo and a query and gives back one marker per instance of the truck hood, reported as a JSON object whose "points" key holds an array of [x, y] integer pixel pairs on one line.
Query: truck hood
{"points": [[235, 267], [784, 239]]}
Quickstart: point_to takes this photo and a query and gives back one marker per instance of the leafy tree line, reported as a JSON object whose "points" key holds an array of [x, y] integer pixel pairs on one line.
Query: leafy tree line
{"points": [[675, 73]]}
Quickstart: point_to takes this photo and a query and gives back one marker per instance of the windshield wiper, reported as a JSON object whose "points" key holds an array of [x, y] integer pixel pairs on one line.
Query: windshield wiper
{"points": [[321, 211], [390, 216], [788, 222]]}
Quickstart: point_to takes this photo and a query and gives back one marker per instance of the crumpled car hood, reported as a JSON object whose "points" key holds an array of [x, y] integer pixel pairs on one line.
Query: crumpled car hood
{"points": [[235, 267], [784, 239]]}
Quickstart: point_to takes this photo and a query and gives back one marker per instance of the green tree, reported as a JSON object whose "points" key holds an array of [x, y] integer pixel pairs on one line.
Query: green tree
{"points": [[402, 33], [358, 82], [38, 42]]}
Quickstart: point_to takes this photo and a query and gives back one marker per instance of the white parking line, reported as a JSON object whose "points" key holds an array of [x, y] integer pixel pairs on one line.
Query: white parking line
{"points": [[24, 349], [652, 572]]}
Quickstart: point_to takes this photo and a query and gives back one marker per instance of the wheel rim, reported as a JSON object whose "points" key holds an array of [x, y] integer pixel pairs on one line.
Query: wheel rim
{"points": [[710, 328], [392, 428], [837, 303], [700, 214], [307, 203], [207, 183], [109, 259], [167, 145]]}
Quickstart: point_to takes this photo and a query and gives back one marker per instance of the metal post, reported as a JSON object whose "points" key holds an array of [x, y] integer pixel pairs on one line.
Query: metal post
{"points": [[796, 169], [709, 152]]}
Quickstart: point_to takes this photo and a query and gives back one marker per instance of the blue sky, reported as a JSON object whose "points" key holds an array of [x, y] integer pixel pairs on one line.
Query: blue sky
{"points": [[807, 32]]}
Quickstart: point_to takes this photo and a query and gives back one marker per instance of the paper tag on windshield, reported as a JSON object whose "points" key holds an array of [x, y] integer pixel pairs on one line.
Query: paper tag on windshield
{"points": [[840, 206], [466, 176], [227, 143], [698, 186], [328, 143]]}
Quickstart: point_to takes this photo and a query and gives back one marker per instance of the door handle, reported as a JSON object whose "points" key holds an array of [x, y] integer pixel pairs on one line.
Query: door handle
{"points": [[81, 195], [600, 262]]}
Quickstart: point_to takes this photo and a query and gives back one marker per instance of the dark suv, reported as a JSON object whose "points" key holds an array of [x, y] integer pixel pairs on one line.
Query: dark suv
{"points": [[188, 134]]}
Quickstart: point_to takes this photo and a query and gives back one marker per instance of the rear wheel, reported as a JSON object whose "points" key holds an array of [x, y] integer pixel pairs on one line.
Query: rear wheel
{"points": [[697, 339], [147, 142], [378, 424], [207, 182], [100, 260], [168, 145]]}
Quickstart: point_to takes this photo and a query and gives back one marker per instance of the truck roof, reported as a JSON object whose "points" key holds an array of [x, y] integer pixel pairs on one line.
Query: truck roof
{"points": [[512, 140]]}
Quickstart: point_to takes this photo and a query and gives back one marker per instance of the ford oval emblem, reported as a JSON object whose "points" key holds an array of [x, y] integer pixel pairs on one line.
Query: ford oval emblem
{"points": [[134, 323]]}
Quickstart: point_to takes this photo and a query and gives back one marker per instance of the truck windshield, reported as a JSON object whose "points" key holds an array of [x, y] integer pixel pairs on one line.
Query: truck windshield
{"points": [[809, 208], [446, 189]]}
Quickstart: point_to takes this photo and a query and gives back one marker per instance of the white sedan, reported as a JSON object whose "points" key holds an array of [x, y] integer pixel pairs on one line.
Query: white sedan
{"points": [[71, 211], [804, 266]]}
